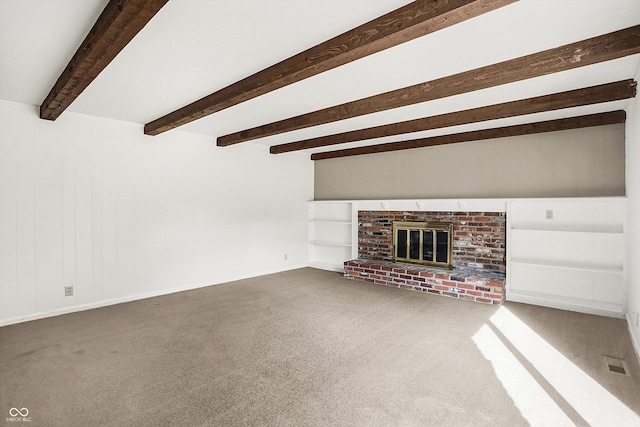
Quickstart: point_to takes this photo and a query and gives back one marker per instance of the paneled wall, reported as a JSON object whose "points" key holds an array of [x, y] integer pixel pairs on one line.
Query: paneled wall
{"points": [[633, 217], [575, 163], [95, 204]]}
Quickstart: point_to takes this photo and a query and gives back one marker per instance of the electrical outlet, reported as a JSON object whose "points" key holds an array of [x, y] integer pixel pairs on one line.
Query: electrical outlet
{"points": [[286, 257], [68, 291], [549, 214], [637, 319]]}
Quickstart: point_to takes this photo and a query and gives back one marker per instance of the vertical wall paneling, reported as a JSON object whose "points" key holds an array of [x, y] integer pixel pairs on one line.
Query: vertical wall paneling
{"points": [[69, 163], [95, 286], [141, 214], [96, 204], [25, 219], [48, 174], [127, 174], [8, 223], [108, 288], [83, 227]]}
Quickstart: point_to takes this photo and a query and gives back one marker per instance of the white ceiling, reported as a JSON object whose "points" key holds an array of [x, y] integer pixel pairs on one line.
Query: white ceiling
{"points": [[192, 48]]}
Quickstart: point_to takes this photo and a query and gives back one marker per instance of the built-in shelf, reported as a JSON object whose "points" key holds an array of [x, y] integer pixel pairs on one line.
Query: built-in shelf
{"points": [[330, 234], [571, 266], [569, 228], [567, 253]]}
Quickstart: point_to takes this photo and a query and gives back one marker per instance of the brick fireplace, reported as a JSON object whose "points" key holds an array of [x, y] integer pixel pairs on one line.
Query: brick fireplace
{"points": [[479, 255]]}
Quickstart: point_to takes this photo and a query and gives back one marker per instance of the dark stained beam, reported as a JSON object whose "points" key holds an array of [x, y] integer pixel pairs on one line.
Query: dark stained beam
{"points": [[591, 120], [406, 23], [574, 98], [587, 52], [117, 25]]}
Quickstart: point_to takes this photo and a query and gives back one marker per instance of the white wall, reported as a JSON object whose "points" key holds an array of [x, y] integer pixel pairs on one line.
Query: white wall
{"points": [[633, 217], [96, 204]]}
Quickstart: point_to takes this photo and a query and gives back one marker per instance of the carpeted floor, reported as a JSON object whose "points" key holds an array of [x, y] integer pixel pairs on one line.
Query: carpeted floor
{"points": [[310, 348]]}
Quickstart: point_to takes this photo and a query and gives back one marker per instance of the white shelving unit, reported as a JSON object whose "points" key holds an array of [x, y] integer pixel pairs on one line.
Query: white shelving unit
{"points": [[332, 234], [567, 254]]}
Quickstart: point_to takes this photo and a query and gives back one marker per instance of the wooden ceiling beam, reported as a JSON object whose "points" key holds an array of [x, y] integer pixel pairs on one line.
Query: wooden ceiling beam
{"points": [[586, 52], [591, 120], [406, 23], [574, 98], [117, 25]]}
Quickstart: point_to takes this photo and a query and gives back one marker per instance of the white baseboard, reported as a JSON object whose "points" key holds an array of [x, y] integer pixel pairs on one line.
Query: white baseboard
{"points": [[569, 304], [327, 266]]}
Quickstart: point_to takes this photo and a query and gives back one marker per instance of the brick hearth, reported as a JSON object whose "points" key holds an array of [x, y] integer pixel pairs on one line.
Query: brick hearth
{"points": [[462, 282]]}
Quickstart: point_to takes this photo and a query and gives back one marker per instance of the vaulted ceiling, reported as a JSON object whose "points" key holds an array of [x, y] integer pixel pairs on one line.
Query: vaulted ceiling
{"points": [[442, 81]]}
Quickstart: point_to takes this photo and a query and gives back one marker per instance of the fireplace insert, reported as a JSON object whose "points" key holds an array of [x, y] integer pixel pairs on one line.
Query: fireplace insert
{"points": [[427, 243]]}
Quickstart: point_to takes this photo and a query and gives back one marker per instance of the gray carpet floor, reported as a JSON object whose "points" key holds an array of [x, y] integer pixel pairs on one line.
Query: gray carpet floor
{"points": [[310, 348]]}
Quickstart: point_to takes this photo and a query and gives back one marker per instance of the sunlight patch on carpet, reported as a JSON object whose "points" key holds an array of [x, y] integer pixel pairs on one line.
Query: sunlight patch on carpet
{"points": [[595, 404]]}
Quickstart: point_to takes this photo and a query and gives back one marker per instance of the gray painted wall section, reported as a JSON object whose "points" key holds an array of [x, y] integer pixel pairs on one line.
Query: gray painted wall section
{"points": [[575, 163]]}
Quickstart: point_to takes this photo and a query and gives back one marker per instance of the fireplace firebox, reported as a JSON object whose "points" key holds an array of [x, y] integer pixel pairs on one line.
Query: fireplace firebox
{"points": [[426, 243]]}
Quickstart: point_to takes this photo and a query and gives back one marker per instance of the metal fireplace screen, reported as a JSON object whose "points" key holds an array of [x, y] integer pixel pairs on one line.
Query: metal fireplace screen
{"points": [[428, 243]]}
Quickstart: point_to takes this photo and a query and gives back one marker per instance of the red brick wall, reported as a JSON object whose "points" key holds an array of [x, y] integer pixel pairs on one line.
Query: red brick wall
{"points": [[479, 239]]}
